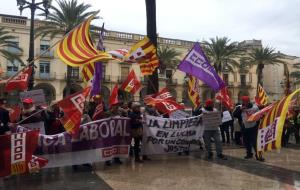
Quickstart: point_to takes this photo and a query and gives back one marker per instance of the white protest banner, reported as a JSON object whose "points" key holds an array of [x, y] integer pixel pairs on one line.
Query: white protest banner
{"points": [[35, 126], [211, 120], [166, 135], [179, 114], [37, 96], [226, 116]]}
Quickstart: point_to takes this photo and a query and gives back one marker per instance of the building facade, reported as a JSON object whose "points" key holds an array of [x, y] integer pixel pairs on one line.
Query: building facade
{"points": [[50, 72]]}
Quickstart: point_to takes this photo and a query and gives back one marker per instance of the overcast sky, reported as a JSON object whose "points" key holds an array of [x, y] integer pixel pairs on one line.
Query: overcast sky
{"points": [[276, 22]]}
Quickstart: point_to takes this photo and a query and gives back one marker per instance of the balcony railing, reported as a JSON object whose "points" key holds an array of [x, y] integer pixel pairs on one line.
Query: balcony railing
{"points": [[74, 77], [45, 54], [171, 81], [121, 78], [45, 76], [245, 84], [229, 84], [106, 78]]}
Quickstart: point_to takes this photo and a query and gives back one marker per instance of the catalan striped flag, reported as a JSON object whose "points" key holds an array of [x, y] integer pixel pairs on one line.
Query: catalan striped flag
{"points": [[194, 90], [144, 53], [77, 49], [271, 126], [262, 98]]}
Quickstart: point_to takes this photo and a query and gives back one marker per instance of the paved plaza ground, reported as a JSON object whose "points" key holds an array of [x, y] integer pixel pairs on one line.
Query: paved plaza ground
{"points": [[280, 171]]}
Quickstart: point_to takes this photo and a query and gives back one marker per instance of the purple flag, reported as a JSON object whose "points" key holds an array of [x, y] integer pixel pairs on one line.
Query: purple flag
{"points": [[196, 63], [96, 83]]}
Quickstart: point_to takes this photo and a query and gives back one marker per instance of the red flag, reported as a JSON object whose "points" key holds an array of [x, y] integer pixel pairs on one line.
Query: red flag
{"points": [[168, 106], [258, 115], [113, 99], [98, 112], [164, 94], [72, 107], [224, 98], [14, 113], [36, 163], [16, 152], [20, 81], [131, 84]]}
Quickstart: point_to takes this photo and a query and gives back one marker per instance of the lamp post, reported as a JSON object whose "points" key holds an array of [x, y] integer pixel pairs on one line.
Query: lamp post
{"points": [[33, 6]]}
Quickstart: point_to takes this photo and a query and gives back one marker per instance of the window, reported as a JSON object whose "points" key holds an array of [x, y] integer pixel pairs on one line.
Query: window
{"points": [[12, 67], [13, 42], [169, 74], [74, 72], [243, 80], [45, 67], [45, 44], [226, 78], [124, 72], [103, 70]]}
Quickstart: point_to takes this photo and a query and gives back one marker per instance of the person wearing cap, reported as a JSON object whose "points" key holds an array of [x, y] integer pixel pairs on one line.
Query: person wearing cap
{"points": [[212, 132], [136, 124], [29, 112], [4, 118], [249, 129]]}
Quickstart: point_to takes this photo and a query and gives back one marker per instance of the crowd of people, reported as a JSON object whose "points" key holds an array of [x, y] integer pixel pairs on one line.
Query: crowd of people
{"points": [[237, 129]]}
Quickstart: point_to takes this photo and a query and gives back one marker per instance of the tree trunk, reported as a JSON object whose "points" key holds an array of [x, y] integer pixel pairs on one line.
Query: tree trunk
{"points": [[152, 86], [259, 76]]}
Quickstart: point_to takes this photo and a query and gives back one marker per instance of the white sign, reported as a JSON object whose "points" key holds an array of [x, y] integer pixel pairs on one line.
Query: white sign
{"points": [[267, 135], [211, 120], [37, 96], [226, 116], [179, 114], [165, 135]]}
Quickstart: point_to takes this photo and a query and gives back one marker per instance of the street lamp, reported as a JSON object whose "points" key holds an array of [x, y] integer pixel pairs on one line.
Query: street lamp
{"points": [[23, 4]]}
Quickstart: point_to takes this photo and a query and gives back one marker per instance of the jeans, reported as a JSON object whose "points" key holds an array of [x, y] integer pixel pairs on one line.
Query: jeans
{"points": [[250, 137], [215, 134]]}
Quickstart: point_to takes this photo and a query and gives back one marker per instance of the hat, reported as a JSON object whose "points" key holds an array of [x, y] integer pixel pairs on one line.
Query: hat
{"points": [[245, 99], [209, 102], [27, 100]]}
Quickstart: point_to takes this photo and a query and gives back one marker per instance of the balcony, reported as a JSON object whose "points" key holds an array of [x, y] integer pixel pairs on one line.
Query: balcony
{"points": [[74, 77], [45, 54], [171, 81], [14, 50], [45, 76], [229, 84], [245, 84]]}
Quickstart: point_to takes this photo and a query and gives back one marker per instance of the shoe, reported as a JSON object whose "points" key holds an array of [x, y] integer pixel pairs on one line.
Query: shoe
{"points": [[107, 163], [209, 156], [222, 157], [138, 160], [118, 161], [259, 158], [248, 156]]}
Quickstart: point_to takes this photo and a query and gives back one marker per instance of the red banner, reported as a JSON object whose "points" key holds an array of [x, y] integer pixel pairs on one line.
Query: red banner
{"points": [[113, 99], [168, 106], [224, 98], [98, 112], [73, 107], [20, 81], [14, 113], [131, 84], [16, 152]]}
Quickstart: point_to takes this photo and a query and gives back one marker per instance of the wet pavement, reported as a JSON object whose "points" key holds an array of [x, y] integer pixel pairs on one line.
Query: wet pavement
{"points": [[280, 171]]}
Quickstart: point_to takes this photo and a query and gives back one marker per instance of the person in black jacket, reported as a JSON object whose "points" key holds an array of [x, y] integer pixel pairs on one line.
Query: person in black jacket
{"points": [[136, 125], [4, 118]]}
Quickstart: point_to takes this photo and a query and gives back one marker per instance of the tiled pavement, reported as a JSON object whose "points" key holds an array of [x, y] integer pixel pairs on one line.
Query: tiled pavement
{"points": [[280, 171]]}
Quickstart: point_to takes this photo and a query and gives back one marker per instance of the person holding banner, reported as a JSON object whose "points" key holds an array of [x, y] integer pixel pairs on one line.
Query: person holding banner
{"points": [[136, 124], [211, 120], [249, 129], [30, 113], [4, 118]]}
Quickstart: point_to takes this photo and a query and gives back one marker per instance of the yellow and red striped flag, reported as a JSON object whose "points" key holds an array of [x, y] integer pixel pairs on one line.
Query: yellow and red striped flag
{"points": [[262, 98], [194, 90], [77, 49], [144, 53], [88, 71], [271, 126]]}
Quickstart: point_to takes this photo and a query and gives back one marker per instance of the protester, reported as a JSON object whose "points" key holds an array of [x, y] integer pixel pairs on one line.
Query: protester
{"points": [[136, 129], [225, 127], [249, 129], [30, 113], [113, 112], [197, 112], [212, 132], [4, 118], [52, 123]]}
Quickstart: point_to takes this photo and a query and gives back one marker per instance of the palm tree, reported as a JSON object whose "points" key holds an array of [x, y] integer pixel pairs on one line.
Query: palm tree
{"points": [[62, 20], [168, 58], [4, 44], [260, 57], [222, 53]]}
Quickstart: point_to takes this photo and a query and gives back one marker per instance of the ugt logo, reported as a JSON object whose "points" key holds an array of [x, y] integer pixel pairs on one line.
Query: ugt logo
{"points": [[197, 59], [169, 106], [78, 101]]}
